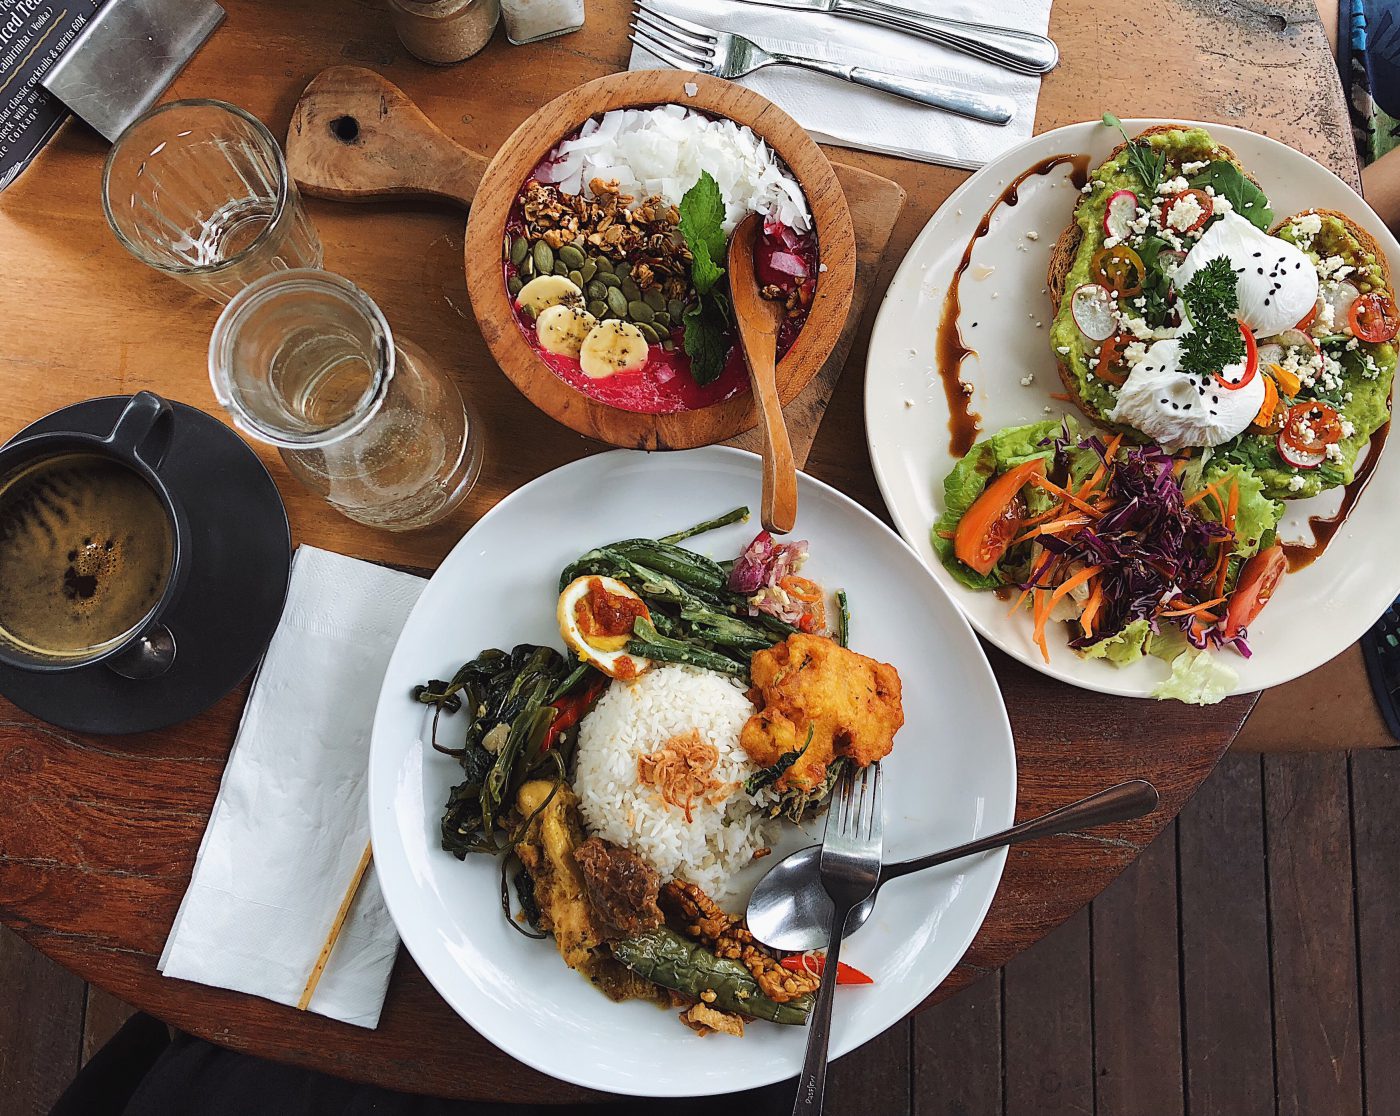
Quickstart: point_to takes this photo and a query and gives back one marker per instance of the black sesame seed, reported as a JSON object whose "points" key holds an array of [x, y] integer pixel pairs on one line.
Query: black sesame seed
{"points": [[1258, 254]]}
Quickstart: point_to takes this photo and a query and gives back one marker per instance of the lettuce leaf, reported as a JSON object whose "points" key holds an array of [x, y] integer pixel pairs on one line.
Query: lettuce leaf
{"points": [[1256, 517], [970, 476], [1197, 678]]}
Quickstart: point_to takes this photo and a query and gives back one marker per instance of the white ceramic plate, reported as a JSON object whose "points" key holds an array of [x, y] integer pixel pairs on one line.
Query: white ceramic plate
{"points": [[1005, 316], [951, 776]]}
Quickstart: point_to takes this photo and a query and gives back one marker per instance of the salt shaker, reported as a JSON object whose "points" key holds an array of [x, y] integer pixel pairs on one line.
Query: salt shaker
{"points": [[444, 31], [528, 21]]}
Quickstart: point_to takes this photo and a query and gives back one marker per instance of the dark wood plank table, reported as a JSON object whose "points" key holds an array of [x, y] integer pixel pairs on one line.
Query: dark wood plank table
{"points": [[98, 835]]}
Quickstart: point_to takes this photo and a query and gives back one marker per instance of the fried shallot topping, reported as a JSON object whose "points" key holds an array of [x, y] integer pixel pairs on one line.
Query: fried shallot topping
{"points": [[705, 1020], [701, 918], [682, 772]]}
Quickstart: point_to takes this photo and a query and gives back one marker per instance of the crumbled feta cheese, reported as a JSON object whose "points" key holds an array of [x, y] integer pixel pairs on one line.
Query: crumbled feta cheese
{"points": [[1307, 225], [1087, 188], [1134, 352], [1184, 212], [966, 389], [1222, 204], [1334, 267], [1111, 242], [1333, 452], [1028, 379], [1347, 428], [1194, 165], [1031, 234], [690, 88], [1326, 317], [1297, 482], [821, 267], [1173, 185]]}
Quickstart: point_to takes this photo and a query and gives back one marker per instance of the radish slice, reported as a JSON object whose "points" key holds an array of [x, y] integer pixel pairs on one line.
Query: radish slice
{"points": [[1093, 309], [1339, 296], [1297, 458], [1120, 213], [1296, 339], [1271, 352]]}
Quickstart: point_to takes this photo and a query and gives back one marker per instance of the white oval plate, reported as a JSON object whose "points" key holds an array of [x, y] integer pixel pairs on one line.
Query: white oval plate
{"points": [[952, 774], [1316, 613]]}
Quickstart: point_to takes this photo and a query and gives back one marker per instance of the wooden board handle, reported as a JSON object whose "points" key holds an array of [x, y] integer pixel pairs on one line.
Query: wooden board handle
{"points": [[357, 137]]}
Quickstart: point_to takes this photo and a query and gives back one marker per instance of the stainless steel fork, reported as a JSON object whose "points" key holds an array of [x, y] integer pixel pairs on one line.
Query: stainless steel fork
{"points": [[850, 870], [691, 46]]}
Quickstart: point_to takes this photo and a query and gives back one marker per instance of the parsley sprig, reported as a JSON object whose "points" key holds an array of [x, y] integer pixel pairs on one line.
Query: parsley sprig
{"points": [[1144, 160], [1211, 299], [706, 320]]}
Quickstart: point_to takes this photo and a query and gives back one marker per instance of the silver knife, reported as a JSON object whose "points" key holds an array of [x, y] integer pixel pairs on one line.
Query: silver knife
{"points": [[1021, 51]]}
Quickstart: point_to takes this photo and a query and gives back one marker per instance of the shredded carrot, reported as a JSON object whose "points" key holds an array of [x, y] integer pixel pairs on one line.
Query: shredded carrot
{"points": [[1071, 583], [1208, 490], [1092, 483], [1061, 396], [1040, 599], [1193, 610], [1068, 497], [947, 534], [1091, 608], [1059, 527]]}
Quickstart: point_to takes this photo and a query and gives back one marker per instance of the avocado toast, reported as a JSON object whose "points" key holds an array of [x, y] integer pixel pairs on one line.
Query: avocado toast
{"points": [[1298, 399]]}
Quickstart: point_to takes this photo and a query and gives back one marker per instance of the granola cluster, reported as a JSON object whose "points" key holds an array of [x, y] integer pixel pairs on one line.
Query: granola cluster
{"points": [[647, 236]]}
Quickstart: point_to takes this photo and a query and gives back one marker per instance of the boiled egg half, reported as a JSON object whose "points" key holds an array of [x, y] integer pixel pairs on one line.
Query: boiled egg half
{"points": [[596, 615]]}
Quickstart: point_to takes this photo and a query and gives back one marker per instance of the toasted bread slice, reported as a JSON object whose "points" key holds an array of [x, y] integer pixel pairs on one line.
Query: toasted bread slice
{"points": [[1368, 242], [1066, 250]]}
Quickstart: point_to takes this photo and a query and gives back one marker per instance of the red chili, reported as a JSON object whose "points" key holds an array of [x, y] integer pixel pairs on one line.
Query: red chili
{"points": [[571, 708], [816, 962]]}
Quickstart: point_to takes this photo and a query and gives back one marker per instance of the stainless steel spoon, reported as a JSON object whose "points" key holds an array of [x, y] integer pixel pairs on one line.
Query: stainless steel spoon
{"points": [[790, 910]]}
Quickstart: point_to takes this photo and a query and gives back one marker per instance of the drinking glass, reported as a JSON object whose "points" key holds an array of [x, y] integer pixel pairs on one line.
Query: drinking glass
{"points": [[200, 190], [303, 360]]}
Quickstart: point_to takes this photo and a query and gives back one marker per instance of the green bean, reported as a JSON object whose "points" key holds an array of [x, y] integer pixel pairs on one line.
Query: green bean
{"points": [[651, 644], [843, 619], [738, 515], [663, 957], [684, 565]]}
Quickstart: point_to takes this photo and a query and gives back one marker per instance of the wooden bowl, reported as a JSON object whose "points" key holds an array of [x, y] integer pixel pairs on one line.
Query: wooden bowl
{"points": [[560, 118]]}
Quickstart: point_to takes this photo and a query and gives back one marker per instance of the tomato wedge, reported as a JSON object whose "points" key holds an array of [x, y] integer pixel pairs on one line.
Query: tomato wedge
{"points": [[1119, 269], [986, 530], [1373, 317], [815, 963], [1258, 580], [1164, 210], [1110, 365], [1251, 362]]}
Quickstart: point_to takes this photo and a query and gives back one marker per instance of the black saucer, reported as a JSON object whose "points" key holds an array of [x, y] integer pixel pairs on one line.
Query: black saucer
{"points": [[240, 560]]}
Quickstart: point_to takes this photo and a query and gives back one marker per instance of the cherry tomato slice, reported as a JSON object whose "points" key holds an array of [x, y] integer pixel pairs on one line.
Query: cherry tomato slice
{"points": [[1373, 317], [987, 528], [1308, 318], [1258, 580], [1251, 362], [1119, 269], [1311, 427], [1111, 367], [1168, 204]]}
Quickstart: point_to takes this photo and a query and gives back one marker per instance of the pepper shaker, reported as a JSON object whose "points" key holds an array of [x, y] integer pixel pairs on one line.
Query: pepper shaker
{"points": [[528, 21], [444, 31]]}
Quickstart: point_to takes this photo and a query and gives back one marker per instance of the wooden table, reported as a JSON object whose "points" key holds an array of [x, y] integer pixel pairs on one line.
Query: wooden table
{"points": [[98, 836]]}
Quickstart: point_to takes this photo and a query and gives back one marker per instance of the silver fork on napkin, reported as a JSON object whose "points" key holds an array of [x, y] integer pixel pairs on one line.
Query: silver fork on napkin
{"points": [[1022, 52], [691, 46]]}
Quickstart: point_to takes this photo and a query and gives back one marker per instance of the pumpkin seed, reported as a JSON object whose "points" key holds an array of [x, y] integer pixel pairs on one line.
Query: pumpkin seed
{"points": [[544, 258], [603, 264], [639, 311], [518, 247], [513, 285], [631, 290], [571, 256], [676, 308], [587, 269], [653, 297], [598, 308], [611, 280], [669, 345], [576, 278], [616, 302], [527, 267], [662, 320], [596, 290], [622, 269], [650, 334], [561, 268]]}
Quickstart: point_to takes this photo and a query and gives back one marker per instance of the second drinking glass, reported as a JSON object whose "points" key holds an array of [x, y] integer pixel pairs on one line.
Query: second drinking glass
{"points": [[304, 361]]}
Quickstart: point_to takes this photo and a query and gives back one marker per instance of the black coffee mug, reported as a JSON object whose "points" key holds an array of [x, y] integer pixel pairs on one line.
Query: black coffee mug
{"points": [[139, 441]]}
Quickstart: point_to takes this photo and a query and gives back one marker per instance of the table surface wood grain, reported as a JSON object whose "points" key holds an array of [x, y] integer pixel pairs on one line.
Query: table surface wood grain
{"points": [[99, 835]]}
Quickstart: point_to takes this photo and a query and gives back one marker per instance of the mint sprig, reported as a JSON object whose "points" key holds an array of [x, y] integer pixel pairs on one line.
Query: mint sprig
{"points": [[707, 319]]}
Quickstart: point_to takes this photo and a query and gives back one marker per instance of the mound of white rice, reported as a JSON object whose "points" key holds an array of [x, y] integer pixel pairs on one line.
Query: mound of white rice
{"points": [[637, 718]]}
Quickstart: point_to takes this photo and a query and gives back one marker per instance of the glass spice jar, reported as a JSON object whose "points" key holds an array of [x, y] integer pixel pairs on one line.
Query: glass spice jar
{"points": [[528, 21], [444, 31]]}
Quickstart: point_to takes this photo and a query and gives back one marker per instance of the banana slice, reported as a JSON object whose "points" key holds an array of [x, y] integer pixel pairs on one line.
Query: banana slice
{"points": [[613, 346], [547, 290], [562, 328]]}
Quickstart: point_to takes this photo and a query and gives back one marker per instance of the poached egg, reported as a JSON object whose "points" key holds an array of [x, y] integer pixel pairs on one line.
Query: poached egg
{"points": [[1276, 283], [1178, 410]]}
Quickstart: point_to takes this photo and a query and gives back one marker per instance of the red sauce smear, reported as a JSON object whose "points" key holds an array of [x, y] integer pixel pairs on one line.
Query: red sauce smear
{"points": [[963, 423], [662, 386], [1325, 528], [603, 614]]}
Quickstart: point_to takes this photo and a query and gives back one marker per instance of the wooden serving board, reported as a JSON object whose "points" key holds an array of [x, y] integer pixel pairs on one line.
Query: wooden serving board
{"points": [[355, 136]]}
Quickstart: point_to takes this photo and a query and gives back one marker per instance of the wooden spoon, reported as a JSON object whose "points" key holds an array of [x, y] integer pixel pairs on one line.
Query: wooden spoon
{"points": [[758, 319]]}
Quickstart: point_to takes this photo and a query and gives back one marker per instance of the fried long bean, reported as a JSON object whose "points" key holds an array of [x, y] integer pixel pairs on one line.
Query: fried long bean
{"points": [[738, 515]]}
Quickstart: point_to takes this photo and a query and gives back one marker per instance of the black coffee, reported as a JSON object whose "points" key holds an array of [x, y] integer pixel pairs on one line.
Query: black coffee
{"points": [[85, 551]]}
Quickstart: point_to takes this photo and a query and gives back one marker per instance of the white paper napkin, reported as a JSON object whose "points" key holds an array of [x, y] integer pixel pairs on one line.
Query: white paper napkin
{"points": [[291, 821], [836, 111]]}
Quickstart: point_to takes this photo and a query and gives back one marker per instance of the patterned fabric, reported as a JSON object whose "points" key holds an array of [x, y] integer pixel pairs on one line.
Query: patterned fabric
{"points": [[1368, 53]]}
